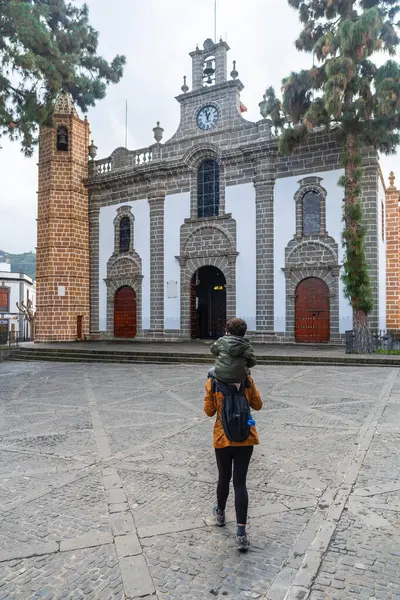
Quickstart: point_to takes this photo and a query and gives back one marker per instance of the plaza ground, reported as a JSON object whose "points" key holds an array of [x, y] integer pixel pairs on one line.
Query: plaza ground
{"points": [[107, 482]]}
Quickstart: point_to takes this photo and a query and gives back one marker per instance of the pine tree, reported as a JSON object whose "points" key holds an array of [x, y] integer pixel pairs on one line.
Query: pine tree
{"points": [[47, 46], [348, 94]]}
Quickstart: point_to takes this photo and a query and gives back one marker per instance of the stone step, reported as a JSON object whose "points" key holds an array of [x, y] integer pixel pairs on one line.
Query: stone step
{"points": [[158, 357]]}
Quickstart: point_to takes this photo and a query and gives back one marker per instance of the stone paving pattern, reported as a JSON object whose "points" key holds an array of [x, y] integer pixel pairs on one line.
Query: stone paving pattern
{"points": [[107, 482]]}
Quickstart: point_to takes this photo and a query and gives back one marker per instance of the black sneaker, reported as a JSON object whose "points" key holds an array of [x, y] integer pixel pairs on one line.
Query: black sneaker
{"points": [[219, 516], [243, 543]]}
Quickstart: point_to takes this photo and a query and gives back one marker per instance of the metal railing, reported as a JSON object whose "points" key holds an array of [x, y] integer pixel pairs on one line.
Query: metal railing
{"points": [[8, 340], [380, 340]]}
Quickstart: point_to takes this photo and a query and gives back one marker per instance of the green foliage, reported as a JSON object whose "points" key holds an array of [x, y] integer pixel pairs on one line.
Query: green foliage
{"points": [[21, 263], [346, 92], [47, 46]]}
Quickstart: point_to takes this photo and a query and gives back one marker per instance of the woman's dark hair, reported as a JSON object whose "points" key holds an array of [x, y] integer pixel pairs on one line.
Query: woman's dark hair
{"points": [[236, 327]]}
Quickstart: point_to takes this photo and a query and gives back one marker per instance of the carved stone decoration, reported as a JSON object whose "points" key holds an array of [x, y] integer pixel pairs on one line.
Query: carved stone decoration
{"points": [[209, 240], [123, 269], [312, 254]]}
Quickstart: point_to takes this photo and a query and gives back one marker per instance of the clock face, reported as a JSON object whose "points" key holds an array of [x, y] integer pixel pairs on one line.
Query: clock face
{"points": [[207, 118]]}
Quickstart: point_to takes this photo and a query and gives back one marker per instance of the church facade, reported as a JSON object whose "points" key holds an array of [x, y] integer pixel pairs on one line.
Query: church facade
{"points": [[180, 236]]}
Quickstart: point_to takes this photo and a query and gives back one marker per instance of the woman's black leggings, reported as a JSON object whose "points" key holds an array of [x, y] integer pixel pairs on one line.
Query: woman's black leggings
{"points": [[240, 457]]}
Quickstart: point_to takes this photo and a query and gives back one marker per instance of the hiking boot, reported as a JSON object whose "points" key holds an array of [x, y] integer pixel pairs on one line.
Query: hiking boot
{"points": [[219, 516], [243, 543]]}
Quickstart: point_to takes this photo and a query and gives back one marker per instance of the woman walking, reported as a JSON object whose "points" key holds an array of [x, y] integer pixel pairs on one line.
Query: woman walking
{"points": [[232, 455]]}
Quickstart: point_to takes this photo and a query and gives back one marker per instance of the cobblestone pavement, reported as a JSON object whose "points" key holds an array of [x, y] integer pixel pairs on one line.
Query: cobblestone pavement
{"points": [[107, 481]]}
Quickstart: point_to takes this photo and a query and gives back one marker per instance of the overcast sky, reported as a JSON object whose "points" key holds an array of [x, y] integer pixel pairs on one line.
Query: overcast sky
{"points": [[156, 37]]}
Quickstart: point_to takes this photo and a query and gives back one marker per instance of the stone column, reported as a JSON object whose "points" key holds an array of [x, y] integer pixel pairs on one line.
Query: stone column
{"points": [[371, 206], [264, 183], [156, 201], [94, 233]]}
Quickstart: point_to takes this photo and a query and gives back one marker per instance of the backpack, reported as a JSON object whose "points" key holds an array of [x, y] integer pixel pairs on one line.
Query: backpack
{"points": [[235, 414]]}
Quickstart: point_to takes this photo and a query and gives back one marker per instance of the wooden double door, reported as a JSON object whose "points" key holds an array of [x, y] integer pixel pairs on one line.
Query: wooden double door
{"points": [[312, 311], [125, 313]]}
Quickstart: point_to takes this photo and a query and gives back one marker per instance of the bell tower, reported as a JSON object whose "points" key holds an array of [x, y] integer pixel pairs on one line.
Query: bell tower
{"points": [[210, 65], [63, 301]]}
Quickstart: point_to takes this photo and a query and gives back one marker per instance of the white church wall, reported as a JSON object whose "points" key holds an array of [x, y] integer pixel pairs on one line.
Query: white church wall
{"points": [[334, 225], [141, 212], [285, 228], [240, 202], [382, 254], [176, 210]]}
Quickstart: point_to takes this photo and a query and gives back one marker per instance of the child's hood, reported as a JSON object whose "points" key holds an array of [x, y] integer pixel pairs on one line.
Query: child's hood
{"points": [[234, 345]]}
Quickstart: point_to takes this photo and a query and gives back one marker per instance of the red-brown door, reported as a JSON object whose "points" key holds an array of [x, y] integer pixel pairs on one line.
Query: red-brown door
{"points": [[79, 327], [125, 325], [312, 311]]}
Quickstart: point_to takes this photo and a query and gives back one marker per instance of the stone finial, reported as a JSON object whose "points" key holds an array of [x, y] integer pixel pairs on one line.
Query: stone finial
{"points": [[392, 178], [64, 104], [158, 132], [263, 107], [185, 87], [92, 150], [208, 45], [234, 72]]}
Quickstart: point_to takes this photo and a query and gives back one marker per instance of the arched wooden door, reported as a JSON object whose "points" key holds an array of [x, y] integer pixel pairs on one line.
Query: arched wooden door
{"points": [[312, 318], [125, 322]]}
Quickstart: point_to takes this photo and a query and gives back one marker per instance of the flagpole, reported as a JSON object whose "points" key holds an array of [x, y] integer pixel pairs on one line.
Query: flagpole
{"points": [[126, 124], [215, 21]]}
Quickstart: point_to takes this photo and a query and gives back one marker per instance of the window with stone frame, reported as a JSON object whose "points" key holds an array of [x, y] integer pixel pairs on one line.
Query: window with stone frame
{"points": [[4, 300], [311, 209], [208, 186], [124, 234]]}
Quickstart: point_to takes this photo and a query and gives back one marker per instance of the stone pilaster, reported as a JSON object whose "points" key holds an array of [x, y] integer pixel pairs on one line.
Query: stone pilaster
{"points": [[156, 201], [94, 238], [370, 205], [265, 183]]}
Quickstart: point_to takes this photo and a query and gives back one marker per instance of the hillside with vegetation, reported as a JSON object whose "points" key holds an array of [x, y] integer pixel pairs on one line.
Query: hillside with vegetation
{"points": [[21, 263]]}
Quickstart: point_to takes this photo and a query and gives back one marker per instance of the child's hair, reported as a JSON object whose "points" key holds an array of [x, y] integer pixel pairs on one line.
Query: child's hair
{"points": [[236, 327]]}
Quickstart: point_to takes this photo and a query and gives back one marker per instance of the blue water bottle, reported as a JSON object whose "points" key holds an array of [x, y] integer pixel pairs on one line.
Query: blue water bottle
{"points": [[251, 422]]}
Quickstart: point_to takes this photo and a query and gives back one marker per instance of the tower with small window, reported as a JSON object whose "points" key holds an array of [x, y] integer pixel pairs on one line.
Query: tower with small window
{"points": [[63, 303]]}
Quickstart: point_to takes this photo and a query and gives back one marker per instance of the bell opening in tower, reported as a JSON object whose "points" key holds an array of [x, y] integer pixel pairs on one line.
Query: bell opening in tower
{"points": [[208, 303]]}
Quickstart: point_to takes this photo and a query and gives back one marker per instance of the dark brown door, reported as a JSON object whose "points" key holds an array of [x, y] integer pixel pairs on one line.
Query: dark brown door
{"points": [[79, 327], [312, 311], [193, 308], [125, 313]]}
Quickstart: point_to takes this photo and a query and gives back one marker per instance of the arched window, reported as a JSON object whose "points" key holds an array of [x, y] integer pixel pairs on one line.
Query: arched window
{"points": [[62, 138], [208, 189], [124, 234], [311, 213]]}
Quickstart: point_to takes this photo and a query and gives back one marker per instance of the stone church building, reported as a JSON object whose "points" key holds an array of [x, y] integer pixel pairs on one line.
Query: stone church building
{"points": [[169, 241]]}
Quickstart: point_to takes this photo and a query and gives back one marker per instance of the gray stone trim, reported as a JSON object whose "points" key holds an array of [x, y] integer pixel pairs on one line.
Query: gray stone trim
{"points": [[227, 265], [123, 211], [310, 184]]}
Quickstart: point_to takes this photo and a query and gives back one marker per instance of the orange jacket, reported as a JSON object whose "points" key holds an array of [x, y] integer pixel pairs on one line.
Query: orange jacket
{"points": [[213, 405]]}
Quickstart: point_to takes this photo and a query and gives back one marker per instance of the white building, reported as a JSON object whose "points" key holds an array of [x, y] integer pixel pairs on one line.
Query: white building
{"points": [[16, 289]]}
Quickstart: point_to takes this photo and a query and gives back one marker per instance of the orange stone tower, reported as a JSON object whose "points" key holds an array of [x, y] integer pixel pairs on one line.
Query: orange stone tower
{"points": [[392, 255], [63, 301]]}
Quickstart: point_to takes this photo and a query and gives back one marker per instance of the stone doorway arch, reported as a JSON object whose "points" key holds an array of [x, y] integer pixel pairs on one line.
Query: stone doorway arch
{"points": [[208, 303], [188, 269]]}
